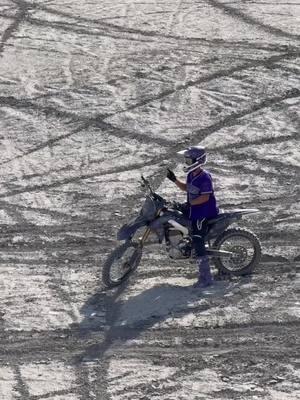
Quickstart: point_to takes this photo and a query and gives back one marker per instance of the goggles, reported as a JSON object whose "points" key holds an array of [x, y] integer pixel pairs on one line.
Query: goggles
{"points": [[189, 160]]}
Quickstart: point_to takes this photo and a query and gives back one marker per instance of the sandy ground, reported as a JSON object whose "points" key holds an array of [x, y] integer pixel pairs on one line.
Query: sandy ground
{"points": [[92, 95]]}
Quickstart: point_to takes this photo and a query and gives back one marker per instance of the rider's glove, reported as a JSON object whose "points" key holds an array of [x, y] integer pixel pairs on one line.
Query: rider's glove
{"points": [[171, 175], [185, 209], [175, 205], [182, 207]]}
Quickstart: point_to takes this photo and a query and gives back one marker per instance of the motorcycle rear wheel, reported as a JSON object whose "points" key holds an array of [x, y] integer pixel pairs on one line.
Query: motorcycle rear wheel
{"points": [[246, 250], [121, 263]]}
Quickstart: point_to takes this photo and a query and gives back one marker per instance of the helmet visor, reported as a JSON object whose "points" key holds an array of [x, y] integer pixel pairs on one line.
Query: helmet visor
{"points": [[189, 160]]}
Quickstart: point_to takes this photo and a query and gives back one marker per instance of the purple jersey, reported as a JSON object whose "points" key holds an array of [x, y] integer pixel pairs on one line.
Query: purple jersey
{"points": [[196, 186]]}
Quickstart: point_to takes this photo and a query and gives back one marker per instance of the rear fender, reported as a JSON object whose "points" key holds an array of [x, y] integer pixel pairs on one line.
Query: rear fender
{"points": [[129, 229], [219, 227], [227, 219], [245, 211]]}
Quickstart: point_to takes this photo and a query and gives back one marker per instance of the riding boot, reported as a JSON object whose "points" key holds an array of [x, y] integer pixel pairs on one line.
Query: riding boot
{"points": [[205, 277]]}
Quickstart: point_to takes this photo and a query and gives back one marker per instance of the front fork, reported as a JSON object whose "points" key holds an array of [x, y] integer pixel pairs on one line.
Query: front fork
{"points": [[145, 236], [147, 232]]}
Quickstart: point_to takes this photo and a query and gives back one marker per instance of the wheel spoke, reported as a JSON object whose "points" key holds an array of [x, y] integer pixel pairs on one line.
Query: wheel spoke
{"points": [[122, 265], [245, 249], [242, 250]]}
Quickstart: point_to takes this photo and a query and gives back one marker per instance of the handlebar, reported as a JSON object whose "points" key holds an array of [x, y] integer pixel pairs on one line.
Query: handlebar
{"points": [[144, 180], [146, 183], [156, 196]]}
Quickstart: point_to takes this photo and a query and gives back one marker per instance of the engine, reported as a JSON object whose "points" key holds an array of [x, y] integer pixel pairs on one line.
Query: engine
{"points": [[179, 247]]}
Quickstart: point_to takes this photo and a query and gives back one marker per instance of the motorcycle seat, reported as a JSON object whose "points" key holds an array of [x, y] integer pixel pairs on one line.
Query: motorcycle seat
{"points": [[218, 218]]}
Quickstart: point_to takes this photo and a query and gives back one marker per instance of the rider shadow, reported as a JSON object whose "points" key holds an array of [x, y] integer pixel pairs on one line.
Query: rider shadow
{"points": [[165, 301], [128, 319], [122, 320]]}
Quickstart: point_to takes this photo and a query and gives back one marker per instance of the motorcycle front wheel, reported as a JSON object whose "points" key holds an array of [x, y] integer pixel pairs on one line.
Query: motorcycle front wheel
{"points": [[245, 248], [121, 263]]}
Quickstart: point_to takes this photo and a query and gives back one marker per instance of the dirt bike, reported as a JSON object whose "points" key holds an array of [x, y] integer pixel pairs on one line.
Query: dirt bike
{"points": [[235, 251]]}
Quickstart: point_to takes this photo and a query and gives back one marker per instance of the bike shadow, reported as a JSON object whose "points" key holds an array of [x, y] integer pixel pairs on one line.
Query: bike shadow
{"points": [[129, 316], [164, 301]]}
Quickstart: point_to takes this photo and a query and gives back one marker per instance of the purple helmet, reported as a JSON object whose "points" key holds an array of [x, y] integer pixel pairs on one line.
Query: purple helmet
{"points": [[194, 157]]}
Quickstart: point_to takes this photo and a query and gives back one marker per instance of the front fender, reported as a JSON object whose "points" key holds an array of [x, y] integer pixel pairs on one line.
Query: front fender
{"points": [[131, 227]]}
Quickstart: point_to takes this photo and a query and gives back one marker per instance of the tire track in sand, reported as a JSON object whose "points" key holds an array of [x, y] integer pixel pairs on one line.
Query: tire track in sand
{"points": [[235, 13], [198, 135], [120, 132], [18, 19]]}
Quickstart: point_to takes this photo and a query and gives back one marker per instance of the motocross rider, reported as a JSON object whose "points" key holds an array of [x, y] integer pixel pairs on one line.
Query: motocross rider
{"points": [[201, 204]]}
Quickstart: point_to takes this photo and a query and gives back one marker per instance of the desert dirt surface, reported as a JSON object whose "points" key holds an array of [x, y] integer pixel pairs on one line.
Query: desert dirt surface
{"points": [[94, 93]]}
